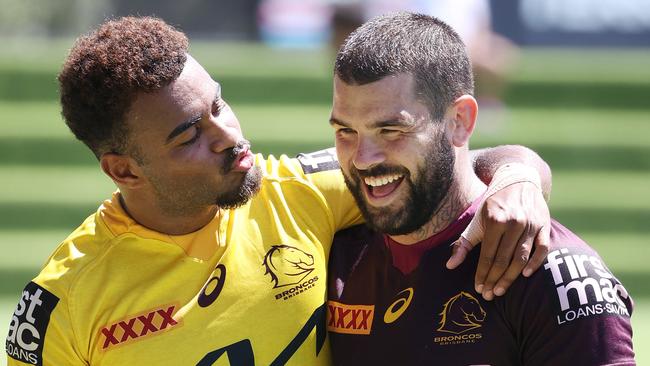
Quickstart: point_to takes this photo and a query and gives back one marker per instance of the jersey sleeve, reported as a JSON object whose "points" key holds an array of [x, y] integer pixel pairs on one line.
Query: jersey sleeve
{"points": [[321, 169], [572, 311], [40, 331]]}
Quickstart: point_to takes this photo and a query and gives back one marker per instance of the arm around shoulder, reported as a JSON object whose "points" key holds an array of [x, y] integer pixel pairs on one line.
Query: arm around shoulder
{"points": [[488, 160]]}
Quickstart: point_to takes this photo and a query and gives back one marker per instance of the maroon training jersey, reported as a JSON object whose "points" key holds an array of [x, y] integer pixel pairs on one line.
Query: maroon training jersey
{"points": [[391, 304]]}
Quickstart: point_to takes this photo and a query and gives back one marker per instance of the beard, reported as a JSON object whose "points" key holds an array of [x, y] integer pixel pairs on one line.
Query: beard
{"points": [[425, 192], [182, 196]]}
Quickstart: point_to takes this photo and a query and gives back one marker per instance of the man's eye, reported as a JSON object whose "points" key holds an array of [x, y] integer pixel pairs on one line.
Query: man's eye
{"points": [[345, 131], [389, 132], [194, 138]]}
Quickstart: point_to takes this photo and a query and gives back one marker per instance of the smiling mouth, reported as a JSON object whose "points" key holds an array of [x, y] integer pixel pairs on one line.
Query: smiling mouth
{"points": [[382, 186]]}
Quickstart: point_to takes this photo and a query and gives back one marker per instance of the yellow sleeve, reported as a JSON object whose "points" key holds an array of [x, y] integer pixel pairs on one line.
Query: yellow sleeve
{"points": [[321, 169], [40, 331]]}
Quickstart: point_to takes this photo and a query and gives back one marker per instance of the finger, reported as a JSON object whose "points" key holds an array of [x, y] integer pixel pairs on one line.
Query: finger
{"points": [[488, 250], [540, 251], [461, 248], [519, 260], [473, 233], [503, 258]]}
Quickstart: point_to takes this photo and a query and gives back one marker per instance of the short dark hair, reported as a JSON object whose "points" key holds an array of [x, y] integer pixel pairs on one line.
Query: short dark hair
{"points": [[107, 68], [420, 45]]}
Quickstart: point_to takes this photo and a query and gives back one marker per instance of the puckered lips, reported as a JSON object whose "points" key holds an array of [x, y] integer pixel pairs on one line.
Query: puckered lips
{"points": [[244, 161], [381, 190]]}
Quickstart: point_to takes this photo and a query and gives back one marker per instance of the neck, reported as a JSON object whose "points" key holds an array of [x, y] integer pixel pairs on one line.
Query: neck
{"points": [[457, 200], [146, 213]]}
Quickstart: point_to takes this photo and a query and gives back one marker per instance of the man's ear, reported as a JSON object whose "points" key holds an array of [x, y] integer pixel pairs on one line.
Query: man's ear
{"points": [[465, 110], [122, 169]]}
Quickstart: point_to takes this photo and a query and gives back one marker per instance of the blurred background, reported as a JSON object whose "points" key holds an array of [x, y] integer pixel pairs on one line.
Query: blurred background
{"points": [[568, 78]]}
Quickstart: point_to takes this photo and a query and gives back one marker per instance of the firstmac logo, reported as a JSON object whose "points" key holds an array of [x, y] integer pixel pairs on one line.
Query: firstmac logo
{"points": [[29, 323], [585, 287]]}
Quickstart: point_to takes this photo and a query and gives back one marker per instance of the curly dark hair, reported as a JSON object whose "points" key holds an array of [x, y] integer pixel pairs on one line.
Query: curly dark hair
{"points": [[420, 45], [105, 71]]}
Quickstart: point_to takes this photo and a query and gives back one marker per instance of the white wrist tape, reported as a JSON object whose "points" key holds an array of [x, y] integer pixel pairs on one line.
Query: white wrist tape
{"points": [[509, 174], [506, 175]]}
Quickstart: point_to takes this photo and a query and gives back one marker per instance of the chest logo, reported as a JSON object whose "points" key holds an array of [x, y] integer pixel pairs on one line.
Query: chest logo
{"points": [[287, 265], [139, 327], [290, 269], [349, 319], [461, 313], [399, 306], [213, 287]]}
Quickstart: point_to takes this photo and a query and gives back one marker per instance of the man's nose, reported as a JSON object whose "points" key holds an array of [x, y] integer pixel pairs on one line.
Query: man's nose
{"points": [[368, 154], [223, 136]]}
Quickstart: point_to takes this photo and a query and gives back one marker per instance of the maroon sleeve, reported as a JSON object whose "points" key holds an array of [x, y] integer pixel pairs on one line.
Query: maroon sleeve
{"points": [[572, 311]]}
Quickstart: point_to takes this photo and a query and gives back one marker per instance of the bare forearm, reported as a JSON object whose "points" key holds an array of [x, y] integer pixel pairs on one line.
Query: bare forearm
{"points": [[487, 161]]}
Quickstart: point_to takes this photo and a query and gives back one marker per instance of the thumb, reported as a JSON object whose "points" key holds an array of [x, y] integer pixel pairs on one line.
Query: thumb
{"points": [[471, 236]]}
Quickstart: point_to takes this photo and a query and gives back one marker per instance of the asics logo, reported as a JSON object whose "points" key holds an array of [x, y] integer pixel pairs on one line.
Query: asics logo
{"points": [[399, 306]]}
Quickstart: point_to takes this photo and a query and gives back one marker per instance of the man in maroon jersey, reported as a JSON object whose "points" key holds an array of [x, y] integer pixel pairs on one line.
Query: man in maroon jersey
{"points": [[403, 114]]}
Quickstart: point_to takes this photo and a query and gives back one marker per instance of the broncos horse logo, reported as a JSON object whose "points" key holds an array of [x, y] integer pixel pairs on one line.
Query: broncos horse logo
{"points": [[461, 313], [287, 265]]}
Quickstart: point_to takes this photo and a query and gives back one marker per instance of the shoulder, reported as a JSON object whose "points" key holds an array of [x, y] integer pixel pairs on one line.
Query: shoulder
{"points": [[577, 277], [74, 255], [580, 277], [574, 301], [45, 302], [319, 170], [303, 165]]}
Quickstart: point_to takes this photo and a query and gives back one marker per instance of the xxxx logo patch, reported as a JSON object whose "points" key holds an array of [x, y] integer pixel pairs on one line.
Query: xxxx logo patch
{"points": [[138, 327], [349, 319]]}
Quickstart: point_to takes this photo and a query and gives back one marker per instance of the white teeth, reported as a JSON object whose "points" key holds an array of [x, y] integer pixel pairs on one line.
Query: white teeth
{"points": [[380, 181]]}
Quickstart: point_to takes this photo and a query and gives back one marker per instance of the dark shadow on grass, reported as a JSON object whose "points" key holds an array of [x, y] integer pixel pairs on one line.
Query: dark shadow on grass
{"points": [[604, 220], [31, 216], [28, 85], [42, 85], [588, 158], [14, 280], [44, 151], [593, 95]]}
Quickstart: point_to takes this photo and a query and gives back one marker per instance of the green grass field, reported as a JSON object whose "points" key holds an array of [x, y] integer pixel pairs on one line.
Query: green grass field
{"points": [[585, 112]]}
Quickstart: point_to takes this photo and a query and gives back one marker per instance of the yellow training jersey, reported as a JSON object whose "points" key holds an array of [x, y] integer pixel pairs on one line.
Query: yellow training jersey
{"points": [[247, 289]]}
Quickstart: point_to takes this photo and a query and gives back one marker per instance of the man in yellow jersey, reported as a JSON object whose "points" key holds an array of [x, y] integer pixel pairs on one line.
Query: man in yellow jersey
{"points": [[206, 254]]}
